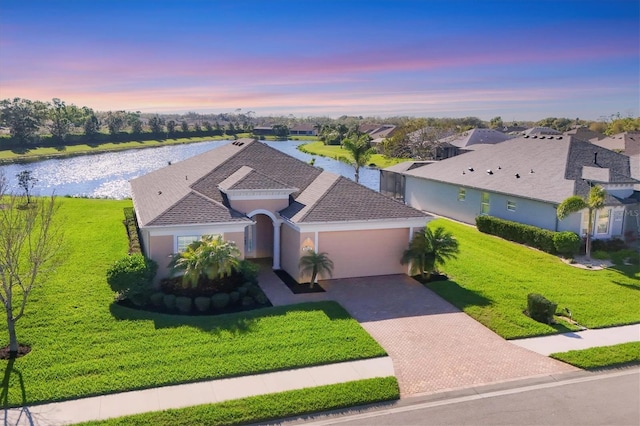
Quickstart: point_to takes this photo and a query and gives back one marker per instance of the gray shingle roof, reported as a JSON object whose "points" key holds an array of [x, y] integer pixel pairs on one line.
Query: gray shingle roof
{"points": [[191, 191], [547, 169], [475, 137]]}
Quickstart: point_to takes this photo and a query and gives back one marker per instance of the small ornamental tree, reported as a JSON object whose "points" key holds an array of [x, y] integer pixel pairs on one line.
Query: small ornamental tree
{"points": [[429, 248], [594, 201], [315, 264], [361, 151], [26, 181]]}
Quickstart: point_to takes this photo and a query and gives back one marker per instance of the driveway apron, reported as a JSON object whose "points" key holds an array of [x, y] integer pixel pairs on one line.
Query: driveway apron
{"points": [[434, 346]]}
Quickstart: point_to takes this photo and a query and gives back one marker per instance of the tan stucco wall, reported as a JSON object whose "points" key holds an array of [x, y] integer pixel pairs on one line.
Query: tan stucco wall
{"points": [[237, 238], [160, 248], [247, 206], [365, 253], [264, 236], [289, 249]]}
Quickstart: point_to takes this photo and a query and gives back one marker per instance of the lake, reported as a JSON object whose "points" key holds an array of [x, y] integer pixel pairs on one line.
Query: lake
{"points": [[107, 175]]}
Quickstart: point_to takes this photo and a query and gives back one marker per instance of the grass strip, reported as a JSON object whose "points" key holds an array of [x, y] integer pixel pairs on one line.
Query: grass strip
{"points": [[337, 152], [491, 278], [604, 356], [268, 407], [83, 344]]}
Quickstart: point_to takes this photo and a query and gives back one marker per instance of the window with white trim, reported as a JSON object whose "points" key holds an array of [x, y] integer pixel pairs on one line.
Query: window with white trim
{"points": [[511, 205], [602, 222], [184, 241], [462, 194], [484, 206]]}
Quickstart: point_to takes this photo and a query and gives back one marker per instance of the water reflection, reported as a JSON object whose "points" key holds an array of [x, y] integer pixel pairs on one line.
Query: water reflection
{"points": [[107, 175]]}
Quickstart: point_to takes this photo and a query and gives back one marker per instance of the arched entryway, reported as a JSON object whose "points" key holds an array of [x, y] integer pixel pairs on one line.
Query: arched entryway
{"points": [[263, 238]]}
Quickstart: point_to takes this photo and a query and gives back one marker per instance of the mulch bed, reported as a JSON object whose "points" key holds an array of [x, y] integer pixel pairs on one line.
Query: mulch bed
{"points": [[295, 286], [22, 351], [434, 277]]}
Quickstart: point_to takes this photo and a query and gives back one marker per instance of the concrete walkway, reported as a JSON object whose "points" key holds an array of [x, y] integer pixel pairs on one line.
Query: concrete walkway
{"points": [[547, 345], [163, 398]]}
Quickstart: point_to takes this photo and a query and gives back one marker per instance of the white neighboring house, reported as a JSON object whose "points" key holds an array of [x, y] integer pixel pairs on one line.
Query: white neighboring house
{"points": [[524, 180]]}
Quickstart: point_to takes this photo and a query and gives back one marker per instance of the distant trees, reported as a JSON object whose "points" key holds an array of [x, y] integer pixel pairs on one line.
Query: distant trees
{"points": [[559, 124], [171, 127], [417, 138], [135, 123], [115, 121], [184, 126], [156, 124], [496, 123], [91, 126], [23, 118], [26, 181]]}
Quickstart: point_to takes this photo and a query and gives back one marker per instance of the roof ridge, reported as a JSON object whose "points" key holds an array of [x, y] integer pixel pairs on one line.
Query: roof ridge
{"points": [[322, 197]]}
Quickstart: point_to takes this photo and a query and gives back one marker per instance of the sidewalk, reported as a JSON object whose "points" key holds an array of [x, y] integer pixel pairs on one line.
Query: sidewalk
{"points": [[547, 345], [163, 398]]}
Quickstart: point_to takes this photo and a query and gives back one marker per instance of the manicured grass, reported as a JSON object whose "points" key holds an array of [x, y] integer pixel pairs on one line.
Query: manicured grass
{"points": [[83, 344], [491, 278], [267, 407], [337, 152], [605, 356]]}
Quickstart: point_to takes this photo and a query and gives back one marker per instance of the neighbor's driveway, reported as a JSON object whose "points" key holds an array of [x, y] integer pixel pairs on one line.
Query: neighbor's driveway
{"points": [[433, 345]]}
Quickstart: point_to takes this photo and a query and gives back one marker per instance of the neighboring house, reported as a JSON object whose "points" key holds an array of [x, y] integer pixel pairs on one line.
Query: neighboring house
{"points": [[303, 130], [524, 180], [392, 178], [541, 131], [473, 138], [272, 205], [263, 131], [585, 134], [626, 142]]}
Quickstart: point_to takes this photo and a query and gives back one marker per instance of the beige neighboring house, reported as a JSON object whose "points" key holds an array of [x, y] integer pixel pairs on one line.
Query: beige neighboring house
{"points": [[272, 206], [625, 142]]}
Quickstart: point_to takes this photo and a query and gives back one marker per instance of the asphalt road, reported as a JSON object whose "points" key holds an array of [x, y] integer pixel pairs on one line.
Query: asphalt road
{"points": [[611, 398]]}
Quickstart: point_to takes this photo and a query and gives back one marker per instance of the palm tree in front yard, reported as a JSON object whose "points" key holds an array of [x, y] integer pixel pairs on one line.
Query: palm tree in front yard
{"points": [[429, 248], [593, 203], [315, 264]]}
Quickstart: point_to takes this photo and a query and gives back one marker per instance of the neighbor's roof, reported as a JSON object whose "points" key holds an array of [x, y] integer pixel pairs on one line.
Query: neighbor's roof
{"points": [[193, 191], [549, 169], [629, 142], [476, 137]]}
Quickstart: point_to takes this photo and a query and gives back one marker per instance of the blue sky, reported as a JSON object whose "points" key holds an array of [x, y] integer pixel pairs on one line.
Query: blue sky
{"points": [[522, 60]]}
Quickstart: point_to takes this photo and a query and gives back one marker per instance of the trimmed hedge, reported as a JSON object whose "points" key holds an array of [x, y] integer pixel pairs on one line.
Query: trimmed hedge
{"points": [[131, 278], [131, 224], [566, 242], [540, 308], [513, 231]]}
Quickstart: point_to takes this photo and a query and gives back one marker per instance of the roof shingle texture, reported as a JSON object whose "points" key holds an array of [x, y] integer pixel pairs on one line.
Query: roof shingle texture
{"points": [[191, 191]]}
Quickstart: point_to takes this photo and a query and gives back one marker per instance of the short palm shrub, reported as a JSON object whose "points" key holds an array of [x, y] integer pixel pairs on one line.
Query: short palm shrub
{"points": [[183, 304], [315, 264], [566, 243], [540, 308], [428, 249], [131, 278]]}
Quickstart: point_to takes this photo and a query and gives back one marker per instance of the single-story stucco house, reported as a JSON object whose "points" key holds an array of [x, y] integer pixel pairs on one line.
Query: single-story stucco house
{"points": [[272, 205], [524, 180]]}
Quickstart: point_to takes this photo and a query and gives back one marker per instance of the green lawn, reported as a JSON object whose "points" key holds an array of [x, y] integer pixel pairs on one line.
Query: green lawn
{"points": [[605, 356], [337, 152], [267, 407], [84, 345], [491, 278]]}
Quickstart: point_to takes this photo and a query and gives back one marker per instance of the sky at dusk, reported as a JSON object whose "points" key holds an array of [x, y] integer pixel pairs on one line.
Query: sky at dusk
{"points": [[521, 60]]}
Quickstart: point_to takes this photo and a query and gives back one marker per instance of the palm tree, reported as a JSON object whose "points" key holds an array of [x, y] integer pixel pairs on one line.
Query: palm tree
{"points": [[315, 264], [360, 151], [428, 249], [211, 257], [593, 202]]}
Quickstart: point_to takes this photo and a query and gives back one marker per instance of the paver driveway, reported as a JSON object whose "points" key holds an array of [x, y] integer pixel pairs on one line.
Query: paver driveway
{"points": [[433, 345]]}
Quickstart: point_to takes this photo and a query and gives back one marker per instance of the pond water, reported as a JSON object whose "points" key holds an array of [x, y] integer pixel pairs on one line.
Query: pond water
{"points": [[107, 175]]}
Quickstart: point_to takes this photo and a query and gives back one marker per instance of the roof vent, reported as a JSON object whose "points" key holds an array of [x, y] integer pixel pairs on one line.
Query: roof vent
{"points": [[517, 175], [535, 136], [169, 163], [550, 137], [186, 177], [559, 137], [595, 158], [499, 168], [489, 172], [526, 136], [463, 172], [542, 137], [240, 143], [159, 192], [470, 169], [531, 171]]}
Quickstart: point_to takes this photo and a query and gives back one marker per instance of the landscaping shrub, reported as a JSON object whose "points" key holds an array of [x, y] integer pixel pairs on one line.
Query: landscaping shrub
{"points": [[249, 271], [254, 290], [220, 300], [600, 255], [540, 308], [513, 231], [234, 296], [157, 299], [248, 301], [566, 243], [626, 255], [131, 224], [184, 304], [131, 278], [614, 244], [262, 299], [170, 301], [202, 303], [243, 290]]}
